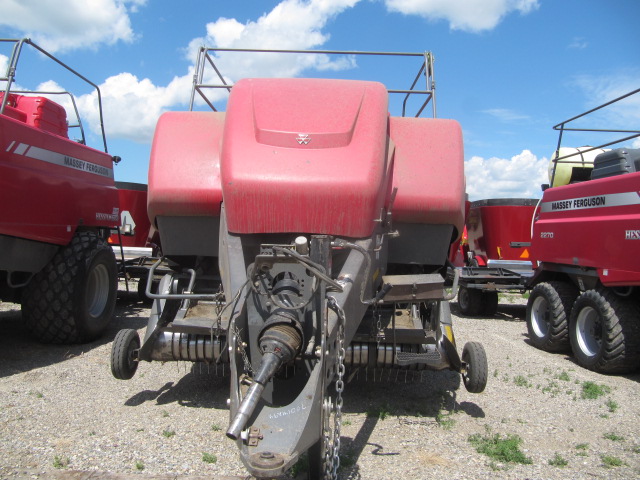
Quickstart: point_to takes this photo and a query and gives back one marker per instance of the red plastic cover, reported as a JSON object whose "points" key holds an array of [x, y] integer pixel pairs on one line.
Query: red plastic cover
{"points": [[305, 155]]}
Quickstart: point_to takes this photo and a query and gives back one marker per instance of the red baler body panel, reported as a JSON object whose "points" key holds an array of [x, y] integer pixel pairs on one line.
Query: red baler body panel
{"points": [[289, 147], [594, 224], [184, 172], [428, 171], [307, 156], [49, 184], [133, 208], [492, 226]]}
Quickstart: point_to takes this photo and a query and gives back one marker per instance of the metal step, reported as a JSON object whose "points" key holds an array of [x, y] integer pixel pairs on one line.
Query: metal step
{"points": [[431, 358]]}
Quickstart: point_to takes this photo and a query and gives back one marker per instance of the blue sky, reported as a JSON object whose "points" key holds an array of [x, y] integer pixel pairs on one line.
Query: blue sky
{"points": [[507, 70]]}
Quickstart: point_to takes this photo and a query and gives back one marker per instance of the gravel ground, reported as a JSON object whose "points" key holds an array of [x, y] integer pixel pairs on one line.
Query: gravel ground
{"points": [[62, 414]]}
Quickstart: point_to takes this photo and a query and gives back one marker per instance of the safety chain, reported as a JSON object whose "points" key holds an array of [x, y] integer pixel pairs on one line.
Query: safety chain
{"points": [[245, 359], [340, 371]]}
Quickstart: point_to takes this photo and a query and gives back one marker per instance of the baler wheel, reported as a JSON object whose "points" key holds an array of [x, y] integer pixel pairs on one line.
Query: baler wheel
{"points": [[605, 333], [123, 363], [548, 310], [469, 300], [72, 299], [489, 303], [476, 369]]}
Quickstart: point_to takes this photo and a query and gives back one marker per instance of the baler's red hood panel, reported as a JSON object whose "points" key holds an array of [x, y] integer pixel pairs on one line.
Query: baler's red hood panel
{"points": [[298, 157]]}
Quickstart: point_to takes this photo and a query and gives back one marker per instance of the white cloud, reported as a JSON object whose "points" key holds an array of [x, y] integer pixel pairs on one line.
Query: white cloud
{"points": [[59, 25], [505, 115], [517, 177], [131, 106], [579, 43], [291, 25], [622, 115], [466, 15]]}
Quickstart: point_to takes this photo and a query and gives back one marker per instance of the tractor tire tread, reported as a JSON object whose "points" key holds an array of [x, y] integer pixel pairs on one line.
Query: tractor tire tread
{"points": [[621, 349], [561, 296], [48, 299]]}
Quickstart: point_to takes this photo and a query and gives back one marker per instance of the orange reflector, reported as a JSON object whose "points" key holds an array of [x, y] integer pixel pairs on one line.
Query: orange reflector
{"points": [[525, 254]]}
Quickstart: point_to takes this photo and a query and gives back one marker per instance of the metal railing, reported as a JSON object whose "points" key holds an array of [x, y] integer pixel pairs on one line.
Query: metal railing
{"points": [[10, 75], [562, 128], [206, 58]]}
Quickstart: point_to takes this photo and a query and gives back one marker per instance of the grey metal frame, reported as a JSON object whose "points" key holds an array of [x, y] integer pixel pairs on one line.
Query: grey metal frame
{"points": [[426, 68], [562, 127], [10, 74]]}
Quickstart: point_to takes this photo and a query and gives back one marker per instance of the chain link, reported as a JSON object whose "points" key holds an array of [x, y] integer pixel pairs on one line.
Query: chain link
{"points": [[248, 369], [333, 451]]}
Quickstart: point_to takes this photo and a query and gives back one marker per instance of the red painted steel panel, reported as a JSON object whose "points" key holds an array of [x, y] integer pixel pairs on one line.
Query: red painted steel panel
{"points": [[493, 224], [428, 171], [133, 206], [305, 155], [184, 171], [593, 224], [49, 184]]}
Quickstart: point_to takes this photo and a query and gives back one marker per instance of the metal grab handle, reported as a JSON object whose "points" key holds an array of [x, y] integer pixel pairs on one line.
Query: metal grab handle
{"points": [[177, 296]]}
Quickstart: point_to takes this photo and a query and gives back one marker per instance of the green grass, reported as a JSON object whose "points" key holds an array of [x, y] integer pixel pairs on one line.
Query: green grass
{"points": [[612, 406], [613, 437], [381, 412], [445, 420], [610, 461], [502, 449], [558, 461], [165, 413], [168, 433], [215, 427], [591, 390], [521, 381], [59, 462], [209, 457], [139, 466], [564, 376], [301, 466]]}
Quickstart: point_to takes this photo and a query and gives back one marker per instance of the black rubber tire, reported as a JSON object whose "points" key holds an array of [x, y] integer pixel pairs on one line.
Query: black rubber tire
{"points": [[469, 301], [548, 311], [605, 332], [123, 364], [489, 303], [476, 370], [72, 299]]}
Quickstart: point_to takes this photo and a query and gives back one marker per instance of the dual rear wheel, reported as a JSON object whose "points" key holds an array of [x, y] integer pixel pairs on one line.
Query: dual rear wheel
{"points": [[601, 328]]}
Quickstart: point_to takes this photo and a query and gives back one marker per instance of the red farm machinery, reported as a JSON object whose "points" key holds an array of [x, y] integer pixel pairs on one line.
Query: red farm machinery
{"points": [[586, 242], [495, 255], [59, 204], [307, 231]]}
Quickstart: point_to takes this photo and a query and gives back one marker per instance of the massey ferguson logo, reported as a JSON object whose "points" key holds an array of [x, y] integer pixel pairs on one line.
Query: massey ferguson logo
{"points": [[632, 235], [303, 139]]}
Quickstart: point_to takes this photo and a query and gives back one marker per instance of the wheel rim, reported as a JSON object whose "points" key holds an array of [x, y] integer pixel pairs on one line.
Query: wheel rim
{"points": [[97, 290], [540, 317], [467, 371], [589, 331]]}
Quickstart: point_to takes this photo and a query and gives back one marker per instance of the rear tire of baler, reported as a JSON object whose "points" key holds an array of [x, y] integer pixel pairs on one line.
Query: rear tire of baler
{"points": [[548, 310], [476, 370], [72, 299], [605, 332], [469, 301], [489, 303], [123, 364]]}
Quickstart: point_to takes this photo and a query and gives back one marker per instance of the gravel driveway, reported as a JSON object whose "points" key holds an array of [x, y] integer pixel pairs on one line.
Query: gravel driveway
{"points": [[63, 415]]}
